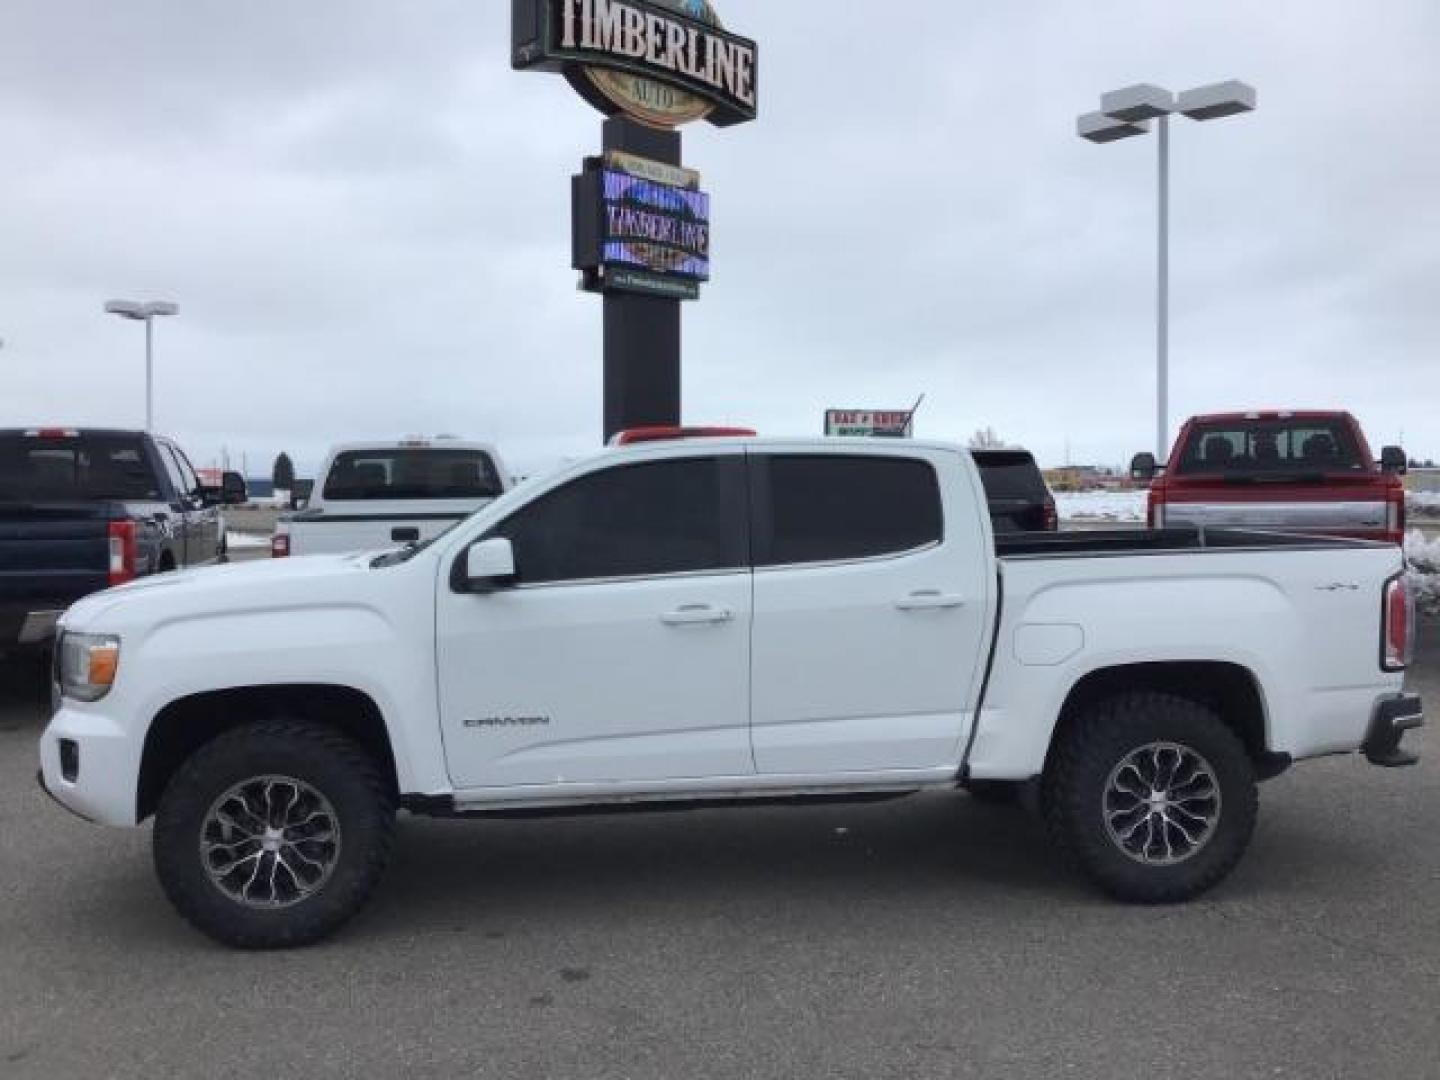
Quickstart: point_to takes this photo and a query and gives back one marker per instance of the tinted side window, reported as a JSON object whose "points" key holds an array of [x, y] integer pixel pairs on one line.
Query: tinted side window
{"points": [[192, 480], [664, 517], [172, 469], [824, 507]]}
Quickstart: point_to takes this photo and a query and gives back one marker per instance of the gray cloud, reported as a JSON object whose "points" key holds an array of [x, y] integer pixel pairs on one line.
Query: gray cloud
{"points": [[364, 216]]}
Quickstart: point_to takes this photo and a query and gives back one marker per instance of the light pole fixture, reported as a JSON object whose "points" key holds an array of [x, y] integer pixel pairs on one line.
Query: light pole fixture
{"points": [[146, 313], [1127, 112]]}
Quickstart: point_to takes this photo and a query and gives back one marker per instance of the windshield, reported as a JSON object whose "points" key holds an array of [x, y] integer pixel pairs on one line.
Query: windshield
{"points": [[412, 473], [79, 467], [1250, 448]]}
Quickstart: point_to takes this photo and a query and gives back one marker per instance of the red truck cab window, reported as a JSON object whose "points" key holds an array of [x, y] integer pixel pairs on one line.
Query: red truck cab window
{"points": [[1308, 472], [1259, 449]]}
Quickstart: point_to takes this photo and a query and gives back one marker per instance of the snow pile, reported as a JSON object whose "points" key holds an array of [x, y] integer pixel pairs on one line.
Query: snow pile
{"points": [[1100, 505], [1423, 503], [1423, 557]]}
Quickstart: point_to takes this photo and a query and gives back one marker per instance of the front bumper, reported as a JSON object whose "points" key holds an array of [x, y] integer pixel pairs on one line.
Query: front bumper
{"points": [[40, 779], [1391, 718], [104, 770]]}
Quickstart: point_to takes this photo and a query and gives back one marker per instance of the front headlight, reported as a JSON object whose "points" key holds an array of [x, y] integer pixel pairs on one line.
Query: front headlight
{"points": [[87, 664]]}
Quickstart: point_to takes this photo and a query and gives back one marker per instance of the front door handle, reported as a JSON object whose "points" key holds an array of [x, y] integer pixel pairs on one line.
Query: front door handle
{"points": [[694, 614], [929, 600]]}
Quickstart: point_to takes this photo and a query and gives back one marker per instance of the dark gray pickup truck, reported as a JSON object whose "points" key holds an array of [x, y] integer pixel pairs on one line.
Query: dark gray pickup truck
{"points": [[84, 509]]}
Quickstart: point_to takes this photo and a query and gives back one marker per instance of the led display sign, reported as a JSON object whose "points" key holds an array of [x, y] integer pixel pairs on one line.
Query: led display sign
{"points": [[637, 232]]}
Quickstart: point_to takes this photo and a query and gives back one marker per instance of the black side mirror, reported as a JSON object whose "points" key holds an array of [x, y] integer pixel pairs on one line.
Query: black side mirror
{"points": [[1143, 467], [1393, 460], [233, 489]]}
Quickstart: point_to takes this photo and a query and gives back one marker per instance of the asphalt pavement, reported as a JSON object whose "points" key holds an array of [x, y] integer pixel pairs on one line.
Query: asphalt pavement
{"points": [[930, 937]]}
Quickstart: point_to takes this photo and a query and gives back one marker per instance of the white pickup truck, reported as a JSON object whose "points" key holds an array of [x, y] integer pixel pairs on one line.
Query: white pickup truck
{"points": [[378, 494], [708, 621]]}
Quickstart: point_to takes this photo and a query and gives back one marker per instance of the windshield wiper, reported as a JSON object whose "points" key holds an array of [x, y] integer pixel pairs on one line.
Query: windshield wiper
{"points": [[401, 555]]}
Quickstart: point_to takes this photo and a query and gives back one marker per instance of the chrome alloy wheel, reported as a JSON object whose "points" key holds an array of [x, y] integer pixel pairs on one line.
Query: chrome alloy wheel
{"points": [[1161, 803], [270, 841]]}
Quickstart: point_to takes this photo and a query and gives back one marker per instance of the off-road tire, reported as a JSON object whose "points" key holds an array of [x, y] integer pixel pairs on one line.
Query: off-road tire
{"points": [[323, 758], [1079, 772]]}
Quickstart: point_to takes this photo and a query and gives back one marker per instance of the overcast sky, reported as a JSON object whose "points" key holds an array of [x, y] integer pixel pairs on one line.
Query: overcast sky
{"points": [[363, 214]]}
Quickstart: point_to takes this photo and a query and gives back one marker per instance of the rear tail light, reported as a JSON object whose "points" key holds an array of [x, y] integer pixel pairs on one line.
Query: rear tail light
{"points": [[122, 552], [1395, 515], [280, 546], [1397, 640], [1052, 518]]}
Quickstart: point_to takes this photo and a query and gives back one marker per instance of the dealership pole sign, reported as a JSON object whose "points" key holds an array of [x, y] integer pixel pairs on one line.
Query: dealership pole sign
{"points": [[640, 230], [663, 63]]}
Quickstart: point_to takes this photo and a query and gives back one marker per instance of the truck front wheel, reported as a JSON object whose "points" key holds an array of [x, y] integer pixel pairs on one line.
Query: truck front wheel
{"points": [[1152, 795], [273, 834]]}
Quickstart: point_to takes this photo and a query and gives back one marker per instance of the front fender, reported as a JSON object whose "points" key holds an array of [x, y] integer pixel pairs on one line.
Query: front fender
{"points": [[338, 644]]}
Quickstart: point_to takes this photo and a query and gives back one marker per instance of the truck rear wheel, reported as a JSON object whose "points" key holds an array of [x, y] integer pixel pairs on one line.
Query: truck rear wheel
{"points": [[274, 834], [1152, 795]]}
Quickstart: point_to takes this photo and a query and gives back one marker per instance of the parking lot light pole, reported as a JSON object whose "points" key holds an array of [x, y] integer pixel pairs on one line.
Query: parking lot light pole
{"points": [[146, 313], [1128, 112]]}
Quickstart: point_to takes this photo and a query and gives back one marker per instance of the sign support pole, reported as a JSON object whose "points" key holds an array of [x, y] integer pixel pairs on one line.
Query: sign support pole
{"points": [[642, 333]]}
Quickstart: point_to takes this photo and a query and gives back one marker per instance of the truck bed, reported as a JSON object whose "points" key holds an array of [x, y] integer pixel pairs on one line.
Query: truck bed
{"points": [[1157, 541]]}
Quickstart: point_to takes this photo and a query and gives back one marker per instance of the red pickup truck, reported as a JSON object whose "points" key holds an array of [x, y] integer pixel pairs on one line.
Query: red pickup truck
{"points": [[1308, 472]]}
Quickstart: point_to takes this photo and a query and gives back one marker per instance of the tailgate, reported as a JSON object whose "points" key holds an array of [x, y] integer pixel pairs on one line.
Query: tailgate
{"points": [[326, 533], [1321, 504], [50, 556], [1295, 515]]}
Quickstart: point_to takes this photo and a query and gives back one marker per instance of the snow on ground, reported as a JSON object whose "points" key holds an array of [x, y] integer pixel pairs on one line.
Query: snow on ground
{"points": [[236, 541], [1423, 503], [1100, 505], [1424, 558]]}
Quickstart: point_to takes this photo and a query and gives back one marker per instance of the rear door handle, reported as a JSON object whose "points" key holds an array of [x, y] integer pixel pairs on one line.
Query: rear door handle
{"points": [[929, 600], [693, 614]]}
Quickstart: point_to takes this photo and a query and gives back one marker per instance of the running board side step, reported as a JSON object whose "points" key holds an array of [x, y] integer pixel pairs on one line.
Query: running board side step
{"points": [[446, 806]]}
